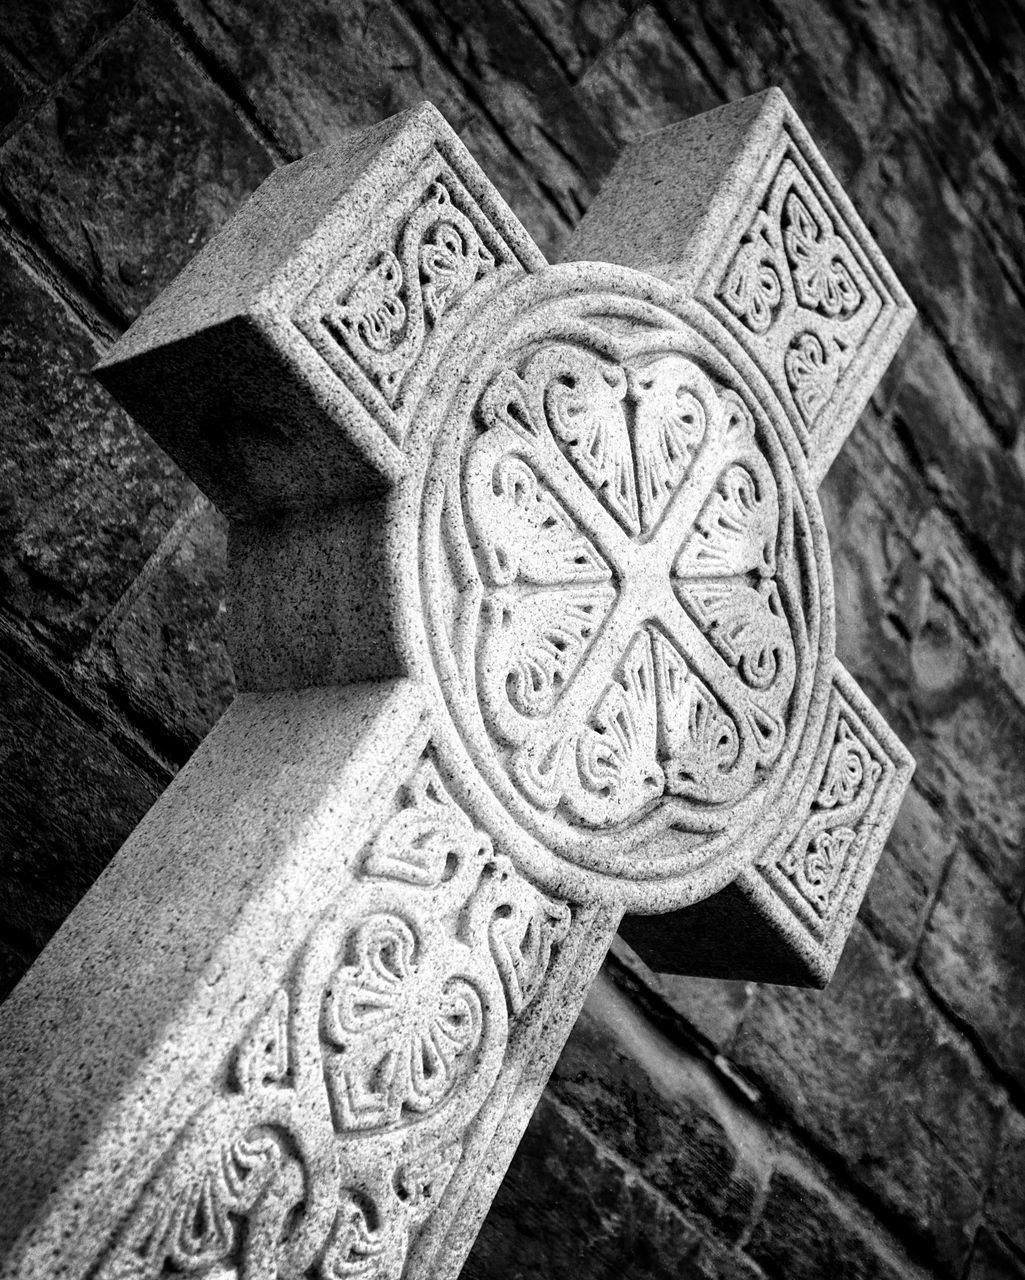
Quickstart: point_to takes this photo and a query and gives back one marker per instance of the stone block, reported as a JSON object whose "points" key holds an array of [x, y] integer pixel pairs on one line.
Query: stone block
{"points": [[963, 460], [992, 1260], [124, 206], [13, 94], [1006, 1205], [871, 1072], [69, 800], [946, 260], [577, 33], [906, 877], [807, 1233], [663, 1111], [85, 497], [51, 38], [973, 957], [570, 1207], [161, 656], [712, 1007], [505, 66], [366, 63], [645, 79]]}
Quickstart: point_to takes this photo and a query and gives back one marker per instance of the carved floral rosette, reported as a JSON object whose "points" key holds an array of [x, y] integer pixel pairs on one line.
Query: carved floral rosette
{"points": [[344, 1109], [623, 570]]}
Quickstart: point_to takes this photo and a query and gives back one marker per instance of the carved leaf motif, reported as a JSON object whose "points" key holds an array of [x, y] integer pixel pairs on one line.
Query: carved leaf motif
{"points": [[362, 1246], [528, 535], [583, 402], [522, 936], [699, 745], [752, 288], [669, 426], [617, 752], [404, 1032], [812, 374], [262, 1057], [428, 263], [538, 639], [374, 313], [735, 531], [448, 266], [817, 872], [745, 624], [194, 1226], [818, 259], [849, 768]]}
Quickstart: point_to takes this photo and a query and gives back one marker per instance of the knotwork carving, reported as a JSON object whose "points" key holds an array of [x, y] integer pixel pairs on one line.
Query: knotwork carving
{"points": [[827, 843], [434, 259], [794, 281], [348, 1100], [632, 641]]}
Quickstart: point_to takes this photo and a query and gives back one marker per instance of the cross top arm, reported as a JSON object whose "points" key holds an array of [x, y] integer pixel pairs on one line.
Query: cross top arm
{"points": [[531, 614]]}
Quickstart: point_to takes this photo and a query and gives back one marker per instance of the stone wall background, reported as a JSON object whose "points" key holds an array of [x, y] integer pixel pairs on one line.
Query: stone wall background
{"points": [[876, 1130]]}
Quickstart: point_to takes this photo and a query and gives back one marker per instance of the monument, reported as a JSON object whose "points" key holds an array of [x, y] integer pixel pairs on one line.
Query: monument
{"points": [[531, 617]]}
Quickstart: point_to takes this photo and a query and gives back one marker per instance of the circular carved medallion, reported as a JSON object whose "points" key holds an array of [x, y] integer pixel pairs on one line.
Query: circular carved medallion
{"points": [[622, 570]]}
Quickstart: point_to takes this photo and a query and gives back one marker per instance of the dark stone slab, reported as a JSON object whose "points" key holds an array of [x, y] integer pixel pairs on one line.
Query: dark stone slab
{"points": [[871, 1072], [973, 957], [132, 166]]}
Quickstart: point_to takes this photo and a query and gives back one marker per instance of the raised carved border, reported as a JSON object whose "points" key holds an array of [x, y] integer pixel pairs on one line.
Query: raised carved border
{"points": [[776, 346], [382, 285], [811, 883]]}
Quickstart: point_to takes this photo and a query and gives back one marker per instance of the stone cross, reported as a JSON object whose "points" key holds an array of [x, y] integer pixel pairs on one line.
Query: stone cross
{"points": [[531, 617]]}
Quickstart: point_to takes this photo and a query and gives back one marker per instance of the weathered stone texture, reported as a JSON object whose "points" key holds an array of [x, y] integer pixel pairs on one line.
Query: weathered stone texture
{"points": [[161, 653], [70, 799], [127, 207], [904, 885], [49, 39], [973, 956], [992, 1260], [874, 1075], [312, 73], [1007, 1199], [571, 1207], [806, 1233], [85, 496], [896, 1076], [899, 635], [663, 1113]]}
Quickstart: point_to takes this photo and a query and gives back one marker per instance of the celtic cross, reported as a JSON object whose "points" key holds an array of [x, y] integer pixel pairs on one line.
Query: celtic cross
{"points": [[531, 616]]}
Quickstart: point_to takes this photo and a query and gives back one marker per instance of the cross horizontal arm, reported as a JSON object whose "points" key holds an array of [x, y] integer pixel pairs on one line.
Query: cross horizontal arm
{"points": [[786, 918], [281, 368]]}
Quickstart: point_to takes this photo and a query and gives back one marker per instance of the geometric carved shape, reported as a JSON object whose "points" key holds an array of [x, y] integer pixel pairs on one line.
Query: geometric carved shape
{"points": [[755, 226], [786, 919]]}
